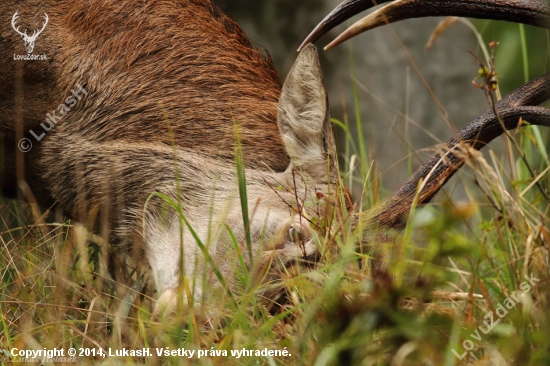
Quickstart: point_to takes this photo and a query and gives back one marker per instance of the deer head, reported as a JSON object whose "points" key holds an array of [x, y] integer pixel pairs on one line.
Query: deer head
{"points": [[29, 40], [194, 213]]}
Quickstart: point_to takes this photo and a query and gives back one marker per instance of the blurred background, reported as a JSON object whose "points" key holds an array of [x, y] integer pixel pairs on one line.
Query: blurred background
{"points": [[373, 80]]}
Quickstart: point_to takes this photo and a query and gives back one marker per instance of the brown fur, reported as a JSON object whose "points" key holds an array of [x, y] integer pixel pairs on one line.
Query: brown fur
{"points": [[152, 69], [166, 83]]}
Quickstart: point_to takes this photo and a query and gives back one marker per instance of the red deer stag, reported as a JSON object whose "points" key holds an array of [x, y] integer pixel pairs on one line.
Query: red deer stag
{"points": [[131, 119], [135, 100]]}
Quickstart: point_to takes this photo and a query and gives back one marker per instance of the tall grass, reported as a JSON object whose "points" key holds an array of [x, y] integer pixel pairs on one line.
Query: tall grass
{"points": [[455, 267]]}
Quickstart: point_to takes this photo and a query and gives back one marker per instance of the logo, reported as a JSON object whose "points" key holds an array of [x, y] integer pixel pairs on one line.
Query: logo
{"points": [[29, 40]]}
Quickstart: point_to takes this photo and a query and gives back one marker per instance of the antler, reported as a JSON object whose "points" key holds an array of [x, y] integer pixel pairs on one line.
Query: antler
{"points": [[521, 103], [13, 20], [436, 171], [532, 12], [35, 34]]}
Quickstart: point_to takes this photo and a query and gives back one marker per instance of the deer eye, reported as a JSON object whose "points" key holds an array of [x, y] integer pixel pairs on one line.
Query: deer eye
{"points": [[296, 233]]}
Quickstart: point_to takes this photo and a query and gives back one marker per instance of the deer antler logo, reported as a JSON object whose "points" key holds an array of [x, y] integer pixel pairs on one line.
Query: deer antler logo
{"points": [[29, 40]]}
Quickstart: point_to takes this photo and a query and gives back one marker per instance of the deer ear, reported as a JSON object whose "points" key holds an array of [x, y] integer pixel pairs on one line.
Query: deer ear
{"points": [[304, 119]]}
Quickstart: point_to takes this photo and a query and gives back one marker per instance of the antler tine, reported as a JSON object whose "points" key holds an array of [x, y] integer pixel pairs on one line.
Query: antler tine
{"points": [[341, 13], [14, 19], [441, 166]]}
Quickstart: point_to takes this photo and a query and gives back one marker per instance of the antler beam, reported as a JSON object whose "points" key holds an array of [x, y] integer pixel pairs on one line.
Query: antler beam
{"points": [[532, 12], [16, 28], [436, 171]]}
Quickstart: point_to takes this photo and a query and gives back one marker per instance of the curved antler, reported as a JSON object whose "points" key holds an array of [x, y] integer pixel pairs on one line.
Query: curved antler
{"points": [[340, 14], [521, 103], [532, 12], [13, 20], [436, 171], [36, 33]]}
